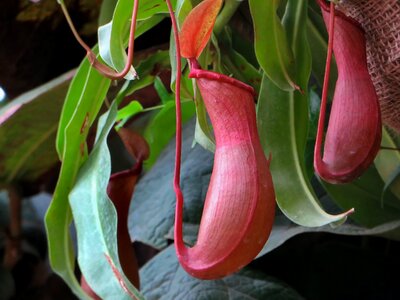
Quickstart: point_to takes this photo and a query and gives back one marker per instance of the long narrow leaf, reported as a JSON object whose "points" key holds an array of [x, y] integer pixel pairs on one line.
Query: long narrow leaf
{"points": [[85, 94], [271, 45], [83, 102]]}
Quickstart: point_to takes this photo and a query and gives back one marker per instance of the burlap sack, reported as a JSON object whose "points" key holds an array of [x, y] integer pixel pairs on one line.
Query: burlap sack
{"points": [[381, 21]]}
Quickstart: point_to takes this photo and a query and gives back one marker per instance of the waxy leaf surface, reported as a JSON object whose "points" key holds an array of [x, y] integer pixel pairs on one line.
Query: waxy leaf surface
{"points": [[96, 221], [164, 279]]}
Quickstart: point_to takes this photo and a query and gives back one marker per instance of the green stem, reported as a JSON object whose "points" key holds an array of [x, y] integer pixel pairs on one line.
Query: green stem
{"points": [[226, 14]]}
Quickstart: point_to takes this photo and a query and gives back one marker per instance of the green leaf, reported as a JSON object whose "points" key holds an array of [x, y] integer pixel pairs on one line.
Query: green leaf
{"points": [[86, 92], [28, 128], [106, 11], [96, 221], [237, 64], [162, 92], [387, 162], [161, 128], [164, 279], [364, 195], [271, 44], [392, 183], [283, 127], [284, 230], [127, 112], [84, 99]]}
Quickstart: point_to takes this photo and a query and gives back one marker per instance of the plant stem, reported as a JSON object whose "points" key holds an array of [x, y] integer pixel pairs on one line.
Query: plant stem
{"points": [[226, 14]]}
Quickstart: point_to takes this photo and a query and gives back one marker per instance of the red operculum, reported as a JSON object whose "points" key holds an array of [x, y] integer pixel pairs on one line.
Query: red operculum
{"points": [[197, 28]]}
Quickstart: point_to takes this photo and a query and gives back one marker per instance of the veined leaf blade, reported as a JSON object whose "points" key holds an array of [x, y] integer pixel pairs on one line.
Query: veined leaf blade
{"points": [[84, 99], [96, 221]]}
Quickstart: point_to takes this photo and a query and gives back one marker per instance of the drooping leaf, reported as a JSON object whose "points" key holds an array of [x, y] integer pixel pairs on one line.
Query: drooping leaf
{"points": [[28, 128], [96, 221], [164, 279], [272, 47], [283, 120], [85, 94], [81, 106]]}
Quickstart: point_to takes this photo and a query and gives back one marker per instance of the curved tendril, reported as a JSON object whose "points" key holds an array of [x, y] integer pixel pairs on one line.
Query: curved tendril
{"points": [[102, 68]]}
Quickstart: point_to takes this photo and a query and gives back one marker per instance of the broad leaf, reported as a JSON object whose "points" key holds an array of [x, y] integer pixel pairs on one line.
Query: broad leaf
{"points": [[96, 221], [283, 126], [164, 279], [84, 99], [28, 128]]}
